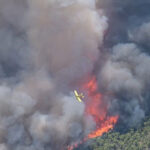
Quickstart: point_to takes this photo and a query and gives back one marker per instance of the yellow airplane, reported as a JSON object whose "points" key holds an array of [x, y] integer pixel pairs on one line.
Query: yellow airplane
{"points": [[78, 96]]}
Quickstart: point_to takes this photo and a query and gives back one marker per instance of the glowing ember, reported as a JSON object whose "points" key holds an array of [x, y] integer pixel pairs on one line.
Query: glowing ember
{"points": [[75, 145], [98, 110]]}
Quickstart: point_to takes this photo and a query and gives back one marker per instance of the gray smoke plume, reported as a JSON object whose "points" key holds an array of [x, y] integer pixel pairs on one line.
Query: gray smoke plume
{"points": [[45, 47], [125, 73], [48, 45]]}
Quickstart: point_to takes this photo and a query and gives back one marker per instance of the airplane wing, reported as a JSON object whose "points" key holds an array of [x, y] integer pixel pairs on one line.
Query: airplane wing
{"points": [[76, 93], [79, 99]]}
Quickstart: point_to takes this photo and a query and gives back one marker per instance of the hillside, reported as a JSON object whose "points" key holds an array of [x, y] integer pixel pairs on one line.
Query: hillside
{"points": [[132, 140]]}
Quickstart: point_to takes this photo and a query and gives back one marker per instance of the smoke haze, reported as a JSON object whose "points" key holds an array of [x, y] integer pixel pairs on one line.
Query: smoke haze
{"points": [[47, 45], [125, 73]]}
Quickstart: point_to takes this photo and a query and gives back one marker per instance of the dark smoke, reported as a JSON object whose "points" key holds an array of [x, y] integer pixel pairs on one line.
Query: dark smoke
{"points": [[125, 73], [47, 45]]}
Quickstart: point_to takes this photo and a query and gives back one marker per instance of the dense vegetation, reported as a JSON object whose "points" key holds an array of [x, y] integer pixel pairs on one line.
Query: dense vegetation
{"points": [[138, 139]]}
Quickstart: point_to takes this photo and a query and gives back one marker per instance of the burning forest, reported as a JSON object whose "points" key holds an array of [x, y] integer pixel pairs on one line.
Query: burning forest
{"points": [[49, 48], [98, 110]]}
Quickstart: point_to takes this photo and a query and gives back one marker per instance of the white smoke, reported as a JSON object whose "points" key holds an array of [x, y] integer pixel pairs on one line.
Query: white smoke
{"points": [[76, 28], [45, 47]]}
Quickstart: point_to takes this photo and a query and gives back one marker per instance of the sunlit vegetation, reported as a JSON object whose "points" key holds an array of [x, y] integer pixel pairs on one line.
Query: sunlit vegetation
{"points": [[134, 139]]}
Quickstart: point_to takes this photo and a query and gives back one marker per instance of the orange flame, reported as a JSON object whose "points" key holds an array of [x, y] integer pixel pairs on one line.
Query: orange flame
{"points": [[98, 110]]}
